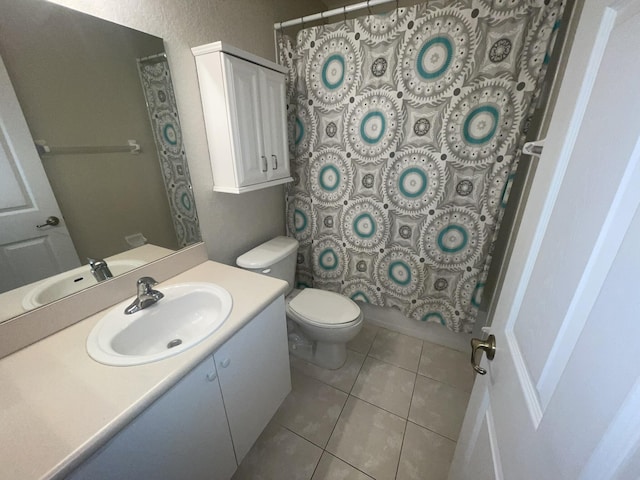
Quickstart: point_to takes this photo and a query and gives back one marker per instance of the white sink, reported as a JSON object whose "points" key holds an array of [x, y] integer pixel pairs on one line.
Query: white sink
{"points": [[188, 313], [73, 281]]}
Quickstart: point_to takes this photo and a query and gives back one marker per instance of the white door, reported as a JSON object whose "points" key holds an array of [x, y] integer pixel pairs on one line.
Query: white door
{"points": [[27, 253], [274, 106], [244, 108], [561, 398]]}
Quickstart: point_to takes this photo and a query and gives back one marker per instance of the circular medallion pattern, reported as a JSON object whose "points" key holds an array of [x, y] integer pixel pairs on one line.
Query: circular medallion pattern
{"points": [[364, 225], [329, 258], [331, 129], [511, 8], [464, 188], [500, 50], [368, 180], [361, 290], [405, 232], [436, 311], [373, 125], [333, 70], [496, 189], [383, 27], [301, 218], [301, 129], [399, 272], [469, 293], [480, 122], [535, 52], [451, 239], [414, 182], [421, 127], [330, 176], [379, 67], [435, 57]]}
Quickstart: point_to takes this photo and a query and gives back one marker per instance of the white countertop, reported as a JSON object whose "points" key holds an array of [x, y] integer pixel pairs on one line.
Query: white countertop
{"points": [[58, 406]]}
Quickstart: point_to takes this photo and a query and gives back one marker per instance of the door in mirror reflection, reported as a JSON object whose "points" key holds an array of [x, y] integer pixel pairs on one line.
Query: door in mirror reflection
{"points": [[30, 249]]}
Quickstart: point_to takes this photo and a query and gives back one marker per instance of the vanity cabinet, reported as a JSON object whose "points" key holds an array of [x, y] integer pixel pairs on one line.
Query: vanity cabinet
{"points": [[244, 104], [184, 434], [221, 406]]}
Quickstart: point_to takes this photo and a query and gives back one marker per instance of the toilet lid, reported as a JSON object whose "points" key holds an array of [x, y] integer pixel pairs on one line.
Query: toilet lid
{"points": [[324, 307]]}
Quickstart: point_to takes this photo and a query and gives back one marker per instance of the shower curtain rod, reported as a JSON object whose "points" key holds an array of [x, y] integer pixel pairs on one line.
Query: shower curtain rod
{"points": [[331, 13]]}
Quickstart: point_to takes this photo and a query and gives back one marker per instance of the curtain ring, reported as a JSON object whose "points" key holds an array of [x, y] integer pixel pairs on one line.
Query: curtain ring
{"points": [[302, 22], [344, 12], [322, 19], [369, 6]]}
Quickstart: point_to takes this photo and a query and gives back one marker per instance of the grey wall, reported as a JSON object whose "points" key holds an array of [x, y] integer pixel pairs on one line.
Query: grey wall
{"points": [[230, 223]]}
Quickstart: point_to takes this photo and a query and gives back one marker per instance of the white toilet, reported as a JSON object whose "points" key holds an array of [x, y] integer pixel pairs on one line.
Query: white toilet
{"points": [[320, 323]]}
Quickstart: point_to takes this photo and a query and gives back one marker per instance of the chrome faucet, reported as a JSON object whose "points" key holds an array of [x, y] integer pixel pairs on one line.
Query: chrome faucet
{"points": [[99, 269], [147, 296]]}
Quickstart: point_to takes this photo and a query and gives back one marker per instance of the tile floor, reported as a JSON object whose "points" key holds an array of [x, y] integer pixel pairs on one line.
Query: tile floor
{"points": [[393, 411]]}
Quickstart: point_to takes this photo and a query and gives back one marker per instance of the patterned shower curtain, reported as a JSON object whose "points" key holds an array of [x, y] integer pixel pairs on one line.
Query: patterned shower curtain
{"points": [[405, 131]]}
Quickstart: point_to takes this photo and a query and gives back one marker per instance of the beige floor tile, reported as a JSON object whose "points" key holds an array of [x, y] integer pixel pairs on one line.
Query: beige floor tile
{"points": [[332, 468], [385, 385], [396, 348], [438, 407], [368, 438], [447, 365], [342, 378], [362, 343], [425, 455], [311, 409], [277, 451]]}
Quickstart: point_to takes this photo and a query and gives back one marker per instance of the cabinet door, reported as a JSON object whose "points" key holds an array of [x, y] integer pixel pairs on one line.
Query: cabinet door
{"points": [[251, 162], [275, 123], [254, 375], [184, 434]]}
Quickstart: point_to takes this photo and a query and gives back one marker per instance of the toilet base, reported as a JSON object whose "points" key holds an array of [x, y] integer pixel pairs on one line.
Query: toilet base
{"points": [[322, 354]]}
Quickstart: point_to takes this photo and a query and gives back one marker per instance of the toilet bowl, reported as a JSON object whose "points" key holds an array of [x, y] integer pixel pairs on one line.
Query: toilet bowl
{"points": [[328, 319], [320, 323]]}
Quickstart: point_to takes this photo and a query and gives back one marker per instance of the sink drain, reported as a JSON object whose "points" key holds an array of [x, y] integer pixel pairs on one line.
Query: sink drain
{"points": [[174, 343]]}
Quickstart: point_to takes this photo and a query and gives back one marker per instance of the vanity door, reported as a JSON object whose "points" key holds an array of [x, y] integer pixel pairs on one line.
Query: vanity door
{"points": [[184, 434]]}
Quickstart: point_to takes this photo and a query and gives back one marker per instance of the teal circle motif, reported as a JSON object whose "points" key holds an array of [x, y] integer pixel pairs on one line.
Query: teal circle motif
{"points": [[461, 244], [186, 201], [331, 263], [368, 122], [170, 135], [434, 42], [409, 175], [476, 296], [299, 130], [300, 220], [361, 229], [360, 297], [325, 178], [333, 59], [476, 140], [430, 316], [398, 269]]}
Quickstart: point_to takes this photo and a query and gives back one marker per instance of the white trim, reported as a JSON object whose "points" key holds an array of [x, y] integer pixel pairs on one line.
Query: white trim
{"points": [[251, 188], [622, 209], [528, 389], [494, 445], [236, 52]]}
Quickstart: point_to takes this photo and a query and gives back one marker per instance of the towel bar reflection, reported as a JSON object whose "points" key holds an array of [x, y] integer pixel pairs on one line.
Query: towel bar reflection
{"points": [[44, 149]]}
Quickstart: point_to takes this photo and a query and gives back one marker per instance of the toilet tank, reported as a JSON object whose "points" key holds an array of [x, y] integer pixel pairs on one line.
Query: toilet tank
{"points": [[275, 258]]}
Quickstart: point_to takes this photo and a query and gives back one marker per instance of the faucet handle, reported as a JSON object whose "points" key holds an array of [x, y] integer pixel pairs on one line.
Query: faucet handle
{"points": [[147, 283]]}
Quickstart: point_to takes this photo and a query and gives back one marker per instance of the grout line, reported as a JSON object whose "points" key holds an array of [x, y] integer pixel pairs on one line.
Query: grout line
{"points": [[352, 466], [404, 434], [432, 431], [381, 408]]}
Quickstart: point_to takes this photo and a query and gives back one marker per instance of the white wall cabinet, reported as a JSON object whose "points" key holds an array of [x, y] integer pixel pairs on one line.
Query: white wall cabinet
{"points": [[244, 105], [191, 431]]}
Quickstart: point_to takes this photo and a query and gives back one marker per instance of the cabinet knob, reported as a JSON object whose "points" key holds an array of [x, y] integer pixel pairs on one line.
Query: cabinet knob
{"points": [[225, 363], [211, 376], [264, 163], [275, 161]]}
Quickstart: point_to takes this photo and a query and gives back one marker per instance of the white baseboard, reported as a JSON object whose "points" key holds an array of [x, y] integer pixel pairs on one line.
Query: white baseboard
{"points": [[394, 320]]}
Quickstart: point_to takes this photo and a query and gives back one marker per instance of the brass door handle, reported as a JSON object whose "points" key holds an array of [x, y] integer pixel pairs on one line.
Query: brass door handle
{"points": [[489, 347]]}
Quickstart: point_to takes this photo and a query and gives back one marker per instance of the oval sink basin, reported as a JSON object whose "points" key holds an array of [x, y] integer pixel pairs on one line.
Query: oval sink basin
{"points": [[188, 313], [73, 281]]}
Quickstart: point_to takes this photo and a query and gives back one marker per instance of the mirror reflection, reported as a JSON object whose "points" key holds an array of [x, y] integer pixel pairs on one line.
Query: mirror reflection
{"points": [[91, 158]]}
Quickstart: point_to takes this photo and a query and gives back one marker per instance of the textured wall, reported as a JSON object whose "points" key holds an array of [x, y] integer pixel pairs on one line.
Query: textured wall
{"points": [[230, 223]]}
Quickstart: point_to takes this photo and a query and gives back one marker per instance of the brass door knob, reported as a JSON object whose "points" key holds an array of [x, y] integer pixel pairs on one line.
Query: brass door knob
{"points": [[489, 347]]}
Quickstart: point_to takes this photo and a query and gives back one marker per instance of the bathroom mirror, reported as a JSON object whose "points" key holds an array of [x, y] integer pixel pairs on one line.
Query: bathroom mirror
{"points": [[98, 170]]}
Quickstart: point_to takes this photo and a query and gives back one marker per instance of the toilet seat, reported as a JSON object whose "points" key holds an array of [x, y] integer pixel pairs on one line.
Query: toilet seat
{"points": [[324, 309]]}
